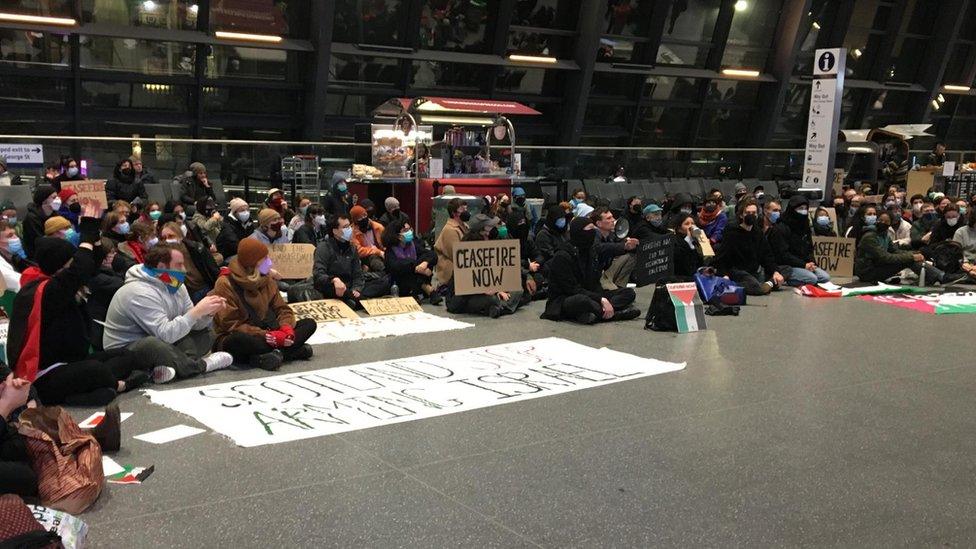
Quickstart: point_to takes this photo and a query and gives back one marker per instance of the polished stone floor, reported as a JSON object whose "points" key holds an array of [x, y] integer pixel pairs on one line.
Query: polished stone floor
{"points": [[800, 422]]}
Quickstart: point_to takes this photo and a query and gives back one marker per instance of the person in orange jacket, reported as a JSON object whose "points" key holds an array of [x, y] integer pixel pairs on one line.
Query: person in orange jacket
{"points": [[368, 236]]}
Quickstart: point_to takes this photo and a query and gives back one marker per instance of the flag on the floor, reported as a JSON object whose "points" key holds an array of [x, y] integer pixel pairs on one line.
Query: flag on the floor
{"points": [[131, 475], [833, 290], [937, 304]]}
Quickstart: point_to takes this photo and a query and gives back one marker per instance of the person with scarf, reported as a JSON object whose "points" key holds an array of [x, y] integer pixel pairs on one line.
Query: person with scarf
{"points": [[575, 292], [409, 262], [271, 228], [50, 329], [238, 225], [493, 304], [201, 269], [276, 201], [368, 236], [713, 220], [70, 206], [257, 327], [552, 235], [791, 241], [124, 185], [141, 237]]}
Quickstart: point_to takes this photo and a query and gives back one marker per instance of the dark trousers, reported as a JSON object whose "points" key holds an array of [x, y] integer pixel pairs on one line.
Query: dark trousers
{"points": [[243, 346], [576, 305], [749, 281], [185, 356], [375, 287], [16, 474], [480, 304], [99, 371]]}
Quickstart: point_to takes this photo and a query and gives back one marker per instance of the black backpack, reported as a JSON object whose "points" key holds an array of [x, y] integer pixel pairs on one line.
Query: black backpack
{"points": [[947, 256], [660, 316]]}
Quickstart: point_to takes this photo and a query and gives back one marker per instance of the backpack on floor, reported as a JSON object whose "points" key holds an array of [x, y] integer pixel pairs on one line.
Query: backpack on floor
{"points": [[947, 256], [19, 529], [660, 315], [303, 291]]}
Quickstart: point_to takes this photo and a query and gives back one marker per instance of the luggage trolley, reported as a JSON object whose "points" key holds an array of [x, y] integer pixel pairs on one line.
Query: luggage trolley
{"points": [[300, 175]]}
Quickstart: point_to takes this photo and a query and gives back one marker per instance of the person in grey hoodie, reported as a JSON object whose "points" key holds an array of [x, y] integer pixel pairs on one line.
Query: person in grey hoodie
{"points": [[152, 314]]}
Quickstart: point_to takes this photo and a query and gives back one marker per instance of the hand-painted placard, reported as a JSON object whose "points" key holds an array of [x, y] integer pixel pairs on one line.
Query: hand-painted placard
{"points": [[655, 259], [834, 255], [487, 266], [323, 310], [91, 193], [391, 306], [292, 261]]}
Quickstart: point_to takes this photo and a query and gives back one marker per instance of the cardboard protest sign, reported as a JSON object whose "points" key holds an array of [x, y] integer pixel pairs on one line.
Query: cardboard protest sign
{"points": [[391, 306], [834, 255], [487, 266], [655, 259], [90, 192], [706, 245], [324, 310], [292, 261], [689, 312]]}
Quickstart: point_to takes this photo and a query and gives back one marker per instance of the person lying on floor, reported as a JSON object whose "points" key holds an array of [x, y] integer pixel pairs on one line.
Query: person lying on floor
{"points": [[257, 327], [49, 339], [493, 304], [153, 316], [409, 262], [575, 292]]}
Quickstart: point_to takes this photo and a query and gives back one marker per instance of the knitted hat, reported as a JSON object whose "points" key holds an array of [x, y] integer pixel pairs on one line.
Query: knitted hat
{"points": [[357, 213], [250, 251], [391, 203], [41, 194], [740, 188], [52, 253], [266, 216], [237, 203], [65, 194], [197, 167], [55, 224], [7, 205]]}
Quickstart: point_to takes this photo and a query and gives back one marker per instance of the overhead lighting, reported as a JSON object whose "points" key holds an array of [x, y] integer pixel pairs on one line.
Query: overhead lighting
{"points": [[941, 98], [533, 59], [248, 37], [40, 20], [460, 120], [816, 25], [149, 5], [956, 88], [857, 52], [741, 5], [194, 8], [747, 73], [936, 105]]}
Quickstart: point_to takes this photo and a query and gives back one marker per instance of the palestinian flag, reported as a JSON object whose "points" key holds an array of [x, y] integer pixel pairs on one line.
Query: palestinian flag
{"points": [[688, 310], [833, 290], [131, 475], [935, 304]]}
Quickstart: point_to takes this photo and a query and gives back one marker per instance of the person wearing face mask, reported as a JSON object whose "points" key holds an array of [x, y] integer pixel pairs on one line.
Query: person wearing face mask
{"points": [[713, 220], [340, 200], [578, 200], [791, 241], [257, 327], [452, 233], [409, 262], [368, 237], [966, 237], [152, 316], [70, 206], [271, 228], [8, 213], [852, 205], [946, 227], [44, 206], [116, 227], [393, 212], [201, 269], [69, 172], [877, 259], [759, 192], [237, 226], [745, 256], [142, 175], [533, 274], [14, 258], [152, 214], [132, 251], [494, 304], [313, 231], [633, 212], [822, 224], [59, 227], [866, 215], [650, 225], [194, 185], [124, 186], [575, 290], [298, 219], [900, 230], [103, 285], [916, 212], [553, 234], [688, 254], [772, 211], [683, 203], [207, 220], [337, 271], [921, 228]]}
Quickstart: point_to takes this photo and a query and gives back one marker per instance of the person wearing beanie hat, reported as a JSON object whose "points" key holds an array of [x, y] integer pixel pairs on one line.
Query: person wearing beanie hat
{"points": [[59, 332], [70, 206], [45, 205], [194, 185], [271, 228], [393, 212], [258, 328], [338, 272], [368, 237], [237, 226], [58, 227], [495, 304], [124, 185], [651, 224]]}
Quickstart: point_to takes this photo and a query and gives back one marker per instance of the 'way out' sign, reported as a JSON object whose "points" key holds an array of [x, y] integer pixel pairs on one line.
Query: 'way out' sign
{"points": [[23, 154]]}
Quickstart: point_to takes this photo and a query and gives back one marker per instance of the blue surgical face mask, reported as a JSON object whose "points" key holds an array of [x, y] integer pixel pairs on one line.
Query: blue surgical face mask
{"points": [[774, 216], [73, 237], [12, 221], [962, 210], [152, 242], [870, 220], [341, 187], [347, 234], [407, 237], [823, 220], [122, 228], [72, 172], [657, 221], [16, 247], [560, 223]]}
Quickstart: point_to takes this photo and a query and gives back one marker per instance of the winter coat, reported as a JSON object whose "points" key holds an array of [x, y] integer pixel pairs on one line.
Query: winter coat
{"points": [[451, 234], [124, 187], [363, 248], [337, 259], [744, 250], [34, 227], [571, 273], [307, 234], [874, 251], [791, 240], [231, 234], [402, 272], [261, 294], [687, 258], [103, 287], [192, 190]]}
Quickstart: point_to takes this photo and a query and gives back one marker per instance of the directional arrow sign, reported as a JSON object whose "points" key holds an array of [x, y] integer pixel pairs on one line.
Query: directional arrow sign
{"points": [[24, 154]]}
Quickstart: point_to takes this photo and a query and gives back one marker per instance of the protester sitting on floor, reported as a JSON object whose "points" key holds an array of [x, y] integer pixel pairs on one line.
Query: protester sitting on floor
{"points": [[651, 225], [613, 254], [50, 329], [69, 172], [194, 185], [142, 176], [966, 237], [491, 304], [124, 186], [578, 199], [70, 206], [393, 212], [877, 259], [683, 203], [276, 201], [152, 213], [822, 224], [866, 215], [409, 262], [713, 220], [772, 211], [370, 208], [501, 206], [945, 228], [8, 213], [924, 224], [791, 241], [313, 231], [553, 234], [575, 291], [257, 327], [141, 237], [688, 253], [298, 219], [173, 211], [271, 228], [533, 279], [916, 204], [12, 254], [740, 191], [152, 315], [59, 227], [123, 208], [237, 226], [116, 227], [103, 285], [337, 271], [452, 233], [340, 200], [201, 269], [633, 213], [17, 476], [745, 256], [45, 205], [208, 220], [901, 230], [368, 237]]}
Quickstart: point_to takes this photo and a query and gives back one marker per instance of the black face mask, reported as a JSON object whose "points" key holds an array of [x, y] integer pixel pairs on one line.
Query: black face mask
{"points": [[395, 213], [710, 207], [75, 208], [520, 200], [493, 233], [882, 228], [636, 208], [749, 219], [465, 216], [363, 224]]}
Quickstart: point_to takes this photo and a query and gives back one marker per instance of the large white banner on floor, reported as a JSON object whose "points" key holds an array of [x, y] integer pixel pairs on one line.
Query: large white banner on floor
{"points": [[335, 400], [355, 329]]}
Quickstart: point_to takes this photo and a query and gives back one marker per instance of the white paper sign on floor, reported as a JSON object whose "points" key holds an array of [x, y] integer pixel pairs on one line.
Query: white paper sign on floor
{"points": [[355, 329], [303, 405]]}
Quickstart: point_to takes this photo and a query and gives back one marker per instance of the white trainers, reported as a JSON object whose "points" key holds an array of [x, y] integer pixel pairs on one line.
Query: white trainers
{"points": [[163, 374], [218, 361]]}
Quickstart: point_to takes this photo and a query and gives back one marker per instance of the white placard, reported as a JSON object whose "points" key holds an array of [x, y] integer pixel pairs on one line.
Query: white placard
{"points": [[355, 329], [169, 434], [270, 410], [948, 168], [23, 153], [436, 168]]}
